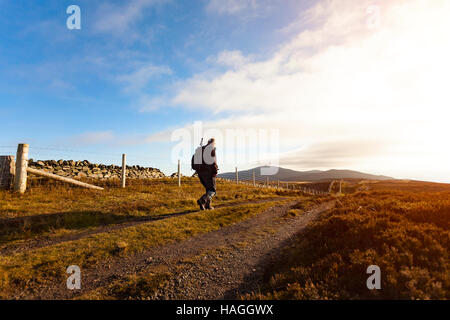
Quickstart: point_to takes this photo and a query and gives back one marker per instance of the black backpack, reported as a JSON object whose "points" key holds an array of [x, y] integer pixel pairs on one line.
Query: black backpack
{"points": [[197, 155]]}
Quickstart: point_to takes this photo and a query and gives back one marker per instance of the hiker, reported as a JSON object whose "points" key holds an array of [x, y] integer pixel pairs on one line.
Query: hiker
{"points": [[205, 164]]}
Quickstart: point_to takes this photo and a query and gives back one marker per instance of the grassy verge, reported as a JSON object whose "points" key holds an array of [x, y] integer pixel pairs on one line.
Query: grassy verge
{"points": [[134, 287], [58, 210], [160, 195], [30, 270]]}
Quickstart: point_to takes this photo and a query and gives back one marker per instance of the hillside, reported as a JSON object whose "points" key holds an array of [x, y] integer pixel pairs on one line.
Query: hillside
{"points": [[131, 235], [259, 243], [311, 175], [406, 233]]}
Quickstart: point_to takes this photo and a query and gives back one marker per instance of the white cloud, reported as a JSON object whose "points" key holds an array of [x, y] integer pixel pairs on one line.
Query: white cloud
{"points": [[118, 20], [139, 78], [232, 59], [334, 154], [230, 6], [148, 103]]}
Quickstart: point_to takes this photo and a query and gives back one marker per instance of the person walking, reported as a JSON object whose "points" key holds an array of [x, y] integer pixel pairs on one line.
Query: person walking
{"points": [[204, 162]]}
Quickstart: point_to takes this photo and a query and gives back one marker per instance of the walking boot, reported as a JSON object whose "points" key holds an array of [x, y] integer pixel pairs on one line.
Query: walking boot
{"points": [[201, 202], [208, 205]]}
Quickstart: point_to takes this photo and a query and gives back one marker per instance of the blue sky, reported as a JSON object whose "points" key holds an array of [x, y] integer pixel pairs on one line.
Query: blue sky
{"points": [[343, 82], [58, 85]]}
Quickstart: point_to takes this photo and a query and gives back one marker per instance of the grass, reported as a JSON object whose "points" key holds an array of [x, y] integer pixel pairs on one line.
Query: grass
{"points": [[401, 226], [52, 210], [55, 210], [134, 287], [149, 282], [306, 204], [139, 198], [405, 233], [35, 268]]}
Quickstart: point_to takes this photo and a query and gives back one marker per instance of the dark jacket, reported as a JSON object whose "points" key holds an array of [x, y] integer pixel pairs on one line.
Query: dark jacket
{"points": [[210, 169]]}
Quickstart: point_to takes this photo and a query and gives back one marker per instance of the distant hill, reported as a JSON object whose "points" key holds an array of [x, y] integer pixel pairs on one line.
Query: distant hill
{"points": [[311, 175]]}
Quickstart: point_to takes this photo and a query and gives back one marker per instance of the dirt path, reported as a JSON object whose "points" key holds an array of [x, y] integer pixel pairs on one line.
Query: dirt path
{"points": [[40, 242], [234, 270], [232, 265]]}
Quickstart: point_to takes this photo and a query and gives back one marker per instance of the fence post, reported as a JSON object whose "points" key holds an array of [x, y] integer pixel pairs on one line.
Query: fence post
{"points": [[124, 170], [253, 173], [237, 176], [20, 178], [179, 173], [7, 171]]}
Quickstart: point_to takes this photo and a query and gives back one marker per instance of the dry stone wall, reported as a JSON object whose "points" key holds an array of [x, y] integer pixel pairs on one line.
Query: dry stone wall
{"points": [[81, 169]]}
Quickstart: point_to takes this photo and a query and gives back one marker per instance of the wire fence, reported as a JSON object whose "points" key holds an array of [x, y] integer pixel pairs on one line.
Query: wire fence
{"points": [[112, 175], [252, 178]]}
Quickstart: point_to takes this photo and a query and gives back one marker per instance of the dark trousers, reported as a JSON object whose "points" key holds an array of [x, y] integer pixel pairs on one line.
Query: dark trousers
{"points": [[209, 182]]}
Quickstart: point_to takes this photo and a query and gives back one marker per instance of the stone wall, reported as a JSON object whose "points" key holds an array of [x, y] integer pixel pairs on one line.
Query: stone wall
{"points": [[80, 169]]}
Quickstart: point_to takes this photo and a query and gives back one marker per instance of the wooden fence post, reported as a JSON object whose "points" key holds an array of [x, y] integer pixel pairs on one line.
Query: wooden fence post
{"points": [[179, 173], [20, 178], [253, 173], [331, 186], [7, 172], [237, 176], [124, 170]]}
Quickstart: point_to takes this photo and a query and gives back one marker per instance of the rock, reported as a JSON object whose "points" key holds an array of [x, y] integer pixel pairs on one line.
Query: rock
{"points": [[41, 164]]}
